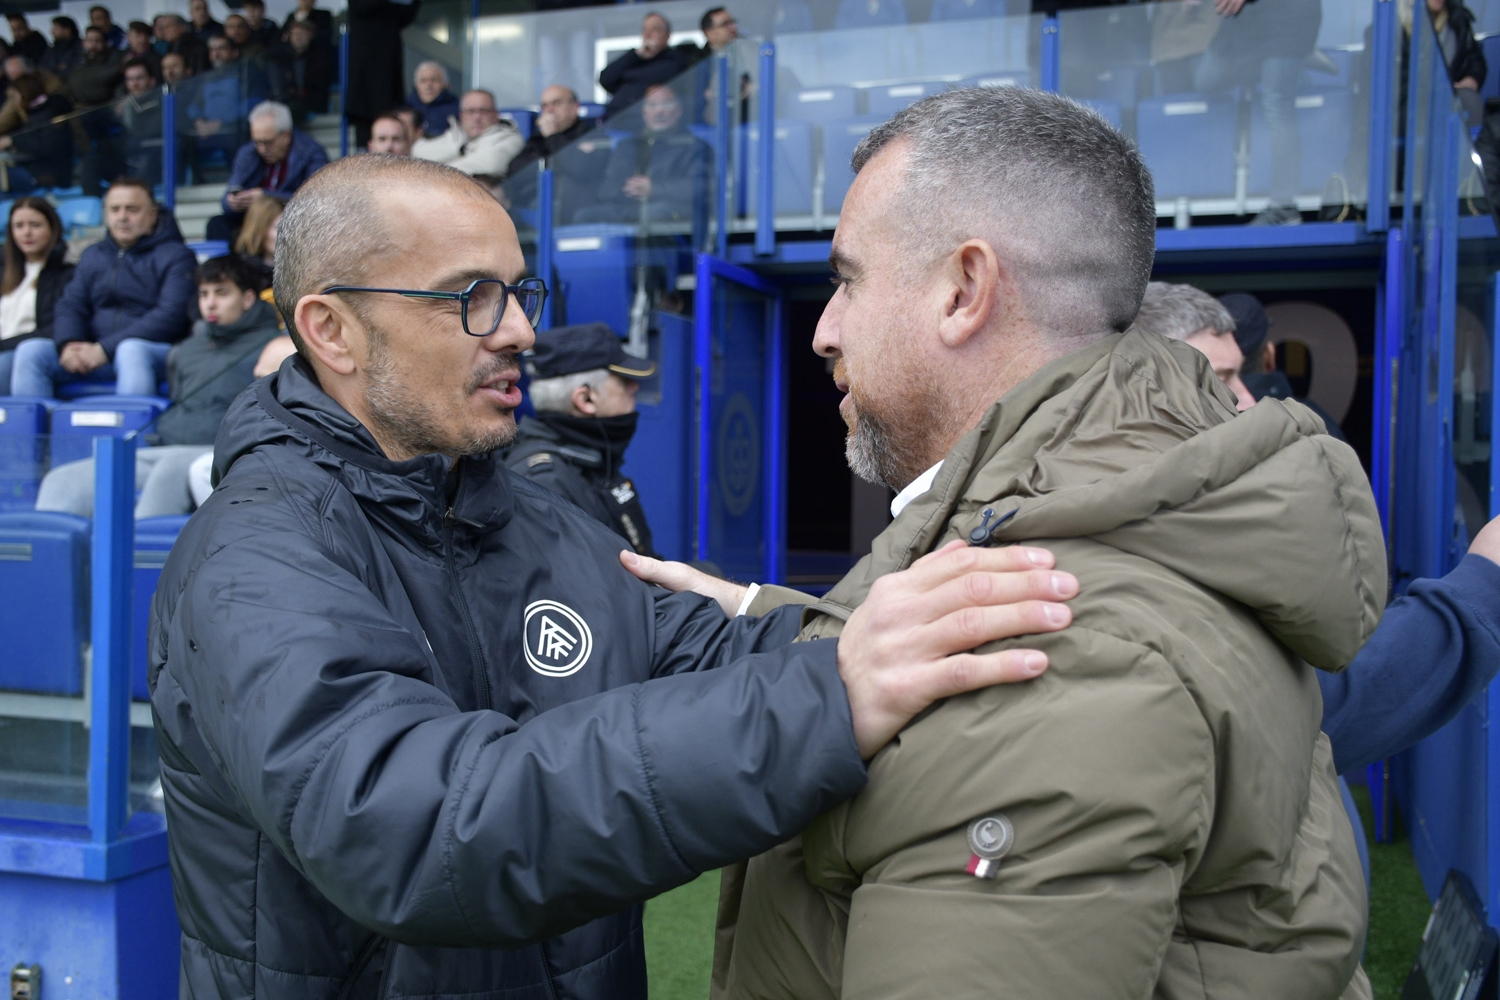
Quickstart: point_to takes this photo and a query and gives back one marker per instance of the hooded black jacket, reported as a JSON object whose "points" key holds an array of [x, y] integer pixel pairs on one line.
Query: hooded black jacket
{"points": [[388, 737]]}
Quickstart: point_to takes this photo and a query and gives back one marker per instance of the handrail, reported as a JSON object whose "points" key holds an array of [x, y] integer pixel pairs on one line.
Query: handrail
{"points": [[169, 146], [722, 159], [546, 208], [344, 91], [765, 215], [109, 671]]}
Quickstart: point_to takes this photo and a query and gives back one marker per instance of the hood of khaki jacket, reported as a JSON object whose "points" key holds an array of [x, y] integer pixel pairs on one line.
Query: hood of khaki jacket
{"points": [[1134, 443]]}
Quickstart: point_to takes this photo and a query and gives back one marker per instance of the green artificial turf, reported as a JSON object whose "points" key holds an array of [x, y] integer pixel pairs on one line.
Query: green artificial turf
{"points": [[680, 939], [680, 924]]}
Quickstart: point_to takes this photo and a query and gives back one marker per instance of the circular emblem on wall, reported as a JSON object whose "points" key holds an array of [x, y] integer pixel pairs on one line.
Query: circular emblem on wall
{"points": [[558, 640], [739, 455]]}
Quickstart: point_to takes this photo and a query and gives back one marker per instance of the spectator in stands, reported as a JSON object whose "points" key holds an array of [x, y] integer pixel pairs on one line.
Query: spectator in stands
{"points": [[320, 19], [263, 32], [177, 37], [389, 134], [175, 69], [94, 82], [276, 161], [24, 41], [1265, 43], [202, 22], [480, 142], [1182, 312], [433, 100], [237, 30], [222, 98], [578, 159], [125, 307], [653, 61], [99, 17], [306, 73], [722, 33], [204, 374], [256, 243], [67, 48], [45, 153], [411, 118], [36, 272], [1258, 373], [139, 112], [583, 388], [138, 46], [657, 175], [375, 60]]}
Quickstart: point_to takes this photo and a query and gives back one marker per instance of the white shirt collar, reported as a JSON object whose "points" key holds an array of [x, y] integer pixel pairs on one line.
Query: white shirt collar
{"points": [[914, 489]]}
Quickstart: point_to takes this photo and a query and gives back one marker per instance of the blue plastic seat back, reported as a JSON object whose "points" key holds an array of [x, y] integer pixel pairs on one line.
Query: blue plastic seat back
{"points": [[154, 537], [79, 213], [869, 13], [524, 118], [44, 575], [793, 170], [839, 140], [1108, 110], [1328, 68], [822, 104], [588, 109], [1324, 123], [958, 10], [84, 390], [1491, 48], [23, 450], [596, 272], [1188, 141], [883, 102], [75, 425], [1000, 78], [792, 16]]}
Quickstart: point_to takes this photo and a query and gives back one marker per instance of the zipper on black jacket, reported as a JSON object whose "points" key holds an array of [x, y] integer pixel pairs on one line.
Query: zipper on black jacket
{"points": [[476, 655], [547, 984]]}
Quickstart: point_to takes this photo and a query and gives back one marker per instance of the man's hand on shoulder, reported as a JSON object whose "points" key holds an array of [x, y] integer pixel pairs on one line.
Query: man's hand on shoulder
{"points": [[907, 645]]}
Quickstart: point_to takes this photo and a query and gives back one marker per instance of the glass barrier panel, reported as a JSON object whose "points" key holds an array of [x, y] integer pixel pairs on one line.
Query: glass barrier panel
{"points": [[1234, 116], [212, 110], [1473, 386]]}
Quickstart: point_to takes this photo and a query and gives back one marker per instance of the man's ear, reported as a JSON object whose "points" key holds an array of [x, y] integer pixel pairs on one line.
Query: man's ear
{"points": [[333, 334], [973, 280], [247, 298], [583, 401]]}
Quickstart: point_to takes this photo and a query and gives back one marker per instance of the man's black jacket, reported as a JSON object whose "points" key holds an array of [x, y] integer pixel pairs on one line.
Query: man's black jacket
{"points": [[407, 716]]}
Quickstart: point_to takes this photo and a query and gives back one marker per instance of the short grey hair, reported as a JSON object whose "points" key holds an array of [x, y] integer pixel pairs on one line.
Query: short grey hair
{"points": [[334, 226], [1179, 311], [1060, 193], [279, 113], [435, 65], [555, 395]]}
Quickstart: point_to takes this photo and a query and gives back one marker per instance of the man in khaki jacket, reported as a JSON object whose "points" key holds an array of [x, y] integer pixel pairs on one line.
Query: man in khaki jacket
{"points": [[1158, 815]]}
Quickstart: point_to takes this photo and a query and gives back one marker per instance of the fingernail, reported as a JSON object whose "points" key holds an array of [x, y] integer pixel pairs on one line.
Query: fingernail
{"points": [[1033, 663], [631, 559], [1038, 557], [1056, 613], [1064, 584]]}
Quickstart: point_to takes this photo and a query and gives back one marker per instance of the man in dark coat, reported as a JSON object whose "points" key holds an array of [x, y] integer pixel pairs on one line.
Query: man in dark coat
{"points": [[125, 307], [656, 176], [26, 40], [94, 82], [583, 387], [277, 160], [421, 734], [578, 157], [374, 61], [654, 61], [432, 99], [305, 73], [67, 48]]}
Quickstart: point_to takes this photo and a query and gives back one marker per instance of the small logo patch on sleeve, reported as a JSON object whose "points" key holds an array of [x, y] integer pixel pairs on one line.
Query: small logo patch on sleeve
{"points": [[540, 458]]}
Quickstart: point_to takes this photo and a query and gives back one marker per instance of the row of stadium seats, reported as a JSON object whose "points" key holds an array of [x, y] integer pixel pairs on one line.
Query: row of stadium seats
{"points": [[38, 434]]}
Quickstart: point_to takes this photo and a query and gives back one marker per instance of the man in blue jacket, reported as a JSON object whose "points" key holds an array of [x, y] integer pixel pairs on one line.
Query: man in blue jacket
{"points": [[125, 307], [420, 733], [276, 161]]}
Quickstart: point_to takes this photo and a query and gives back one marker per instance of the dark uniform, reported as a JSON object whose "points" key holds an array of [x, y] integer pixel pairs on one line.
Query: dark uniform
{"points": [[579, 457]]}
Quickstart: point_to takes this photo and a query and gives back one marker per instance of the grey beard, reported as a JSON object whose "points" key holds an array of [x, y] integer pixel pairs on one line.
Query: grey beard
{"points": [[875, 455]]}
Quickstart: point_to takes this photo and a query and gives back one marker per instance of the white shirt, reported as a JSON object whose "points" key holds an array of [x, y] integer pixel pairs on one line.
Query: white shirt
{"points": [[914, 489], [18, 309]]}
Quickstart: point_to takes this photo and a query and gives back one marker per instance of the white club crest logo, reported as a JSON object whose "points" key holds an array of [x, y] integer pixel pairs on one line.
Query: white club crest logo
{"points": [[558, 640]]}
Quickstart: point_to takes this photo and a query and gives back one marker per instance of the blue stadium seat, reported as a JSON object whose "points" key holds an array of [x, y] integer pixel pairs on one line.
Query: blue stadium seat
{"points": [[793, 170], [80, 213], [75, 425], [524, 118], [1108, 110], [1001, 78], [1323, 121], [1340, 61], [957, 10], [44, 574], [23, 450], [1491, 48], [1119, 85], [1188, 142], [839, 140], [821, 104], [792, 16], [869, 13], [596, 272], [1486, 17], [154, 537], [208, 249], [67, 192], [588, 109], [84, 390], [883, 102]]}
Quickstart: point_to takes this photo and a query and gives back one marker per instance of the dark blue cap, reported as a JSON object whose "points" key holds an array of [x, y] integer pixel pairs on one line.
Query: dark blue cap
{"points": [[570, 349]]}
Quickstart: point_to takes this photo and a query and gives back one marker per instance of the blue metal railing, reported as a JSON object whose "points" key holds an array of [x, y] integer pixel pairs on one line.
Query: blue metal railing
{"points": [[109, 674]]}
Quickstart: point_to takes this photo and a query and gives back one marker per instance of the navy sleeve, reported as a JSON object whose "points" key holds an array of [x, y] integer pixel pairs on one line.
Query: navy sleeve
{"points": [[241, 173], [167, 321], [1433, 652], [70, 319]]}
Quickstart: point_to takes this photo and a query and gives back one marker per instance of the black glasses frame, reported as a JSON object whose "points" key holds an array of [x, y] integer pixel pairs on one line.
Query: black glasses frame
{"points": [[534, 285]]}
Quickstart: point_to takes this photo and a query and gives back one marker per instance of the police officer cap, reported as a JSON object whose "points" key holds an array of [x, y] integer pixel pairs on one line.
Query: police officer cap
{"points": [[1251, 324], [570, 349]]}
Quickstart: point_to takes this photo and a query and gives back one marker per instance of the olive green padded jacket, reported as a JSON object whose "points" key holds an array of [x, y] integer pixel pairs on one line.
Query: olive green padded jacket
{"points": [[1178, 826]]}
